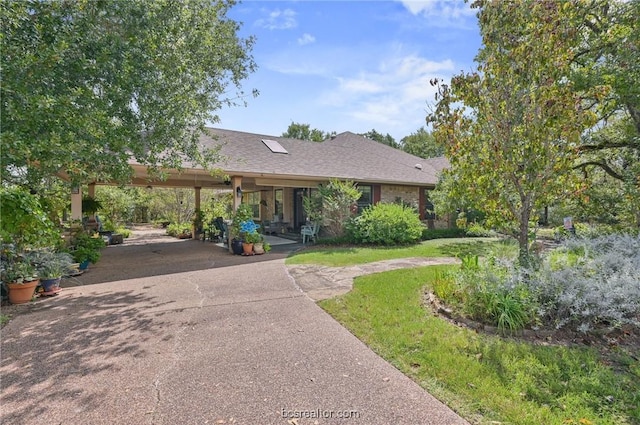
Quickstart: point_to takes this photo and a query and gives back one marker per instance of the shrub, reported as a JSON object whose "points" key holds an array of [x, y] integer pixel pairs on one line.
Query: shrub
{"points": [[24, 221], [176, 229], [477, 230], [583, 283], [387, 224], [592, 281], [455, 232], [492, 293], [444, 287]]}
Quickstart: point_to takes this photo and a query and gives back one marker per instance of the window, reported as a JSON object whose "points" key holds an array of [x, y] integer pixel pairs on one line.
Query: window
{"points": [[253, 200], [278, 209], [366, 198]]}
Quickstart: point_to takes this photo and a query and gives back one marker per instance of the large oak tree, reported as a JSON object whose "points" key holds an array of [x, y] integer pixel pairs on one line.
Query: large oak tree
{"points": [[87, 84]]}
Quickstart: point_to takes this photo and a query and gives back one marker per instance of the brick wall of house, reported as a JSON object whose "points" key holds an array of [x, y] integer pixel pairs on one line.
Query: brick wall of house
{"points": [[411, 195], [408, 194]]}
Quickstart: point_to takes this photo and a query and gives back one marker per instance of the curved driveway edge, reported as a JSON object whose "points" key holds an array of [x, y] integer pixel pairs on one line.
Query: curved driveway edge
{"points": [[239, 344]]}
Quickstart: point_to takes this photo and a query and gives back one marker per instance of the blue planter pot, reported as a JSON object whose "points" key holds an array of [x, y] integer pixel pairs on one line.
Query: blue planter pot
{"points": [[236, 246], [84, 265], [50, 286]]}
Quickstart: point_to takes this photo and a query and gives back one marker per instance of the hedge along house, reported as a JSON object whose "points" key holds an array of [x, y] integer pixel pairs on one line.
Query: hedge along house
{"points": [[272, 174]]}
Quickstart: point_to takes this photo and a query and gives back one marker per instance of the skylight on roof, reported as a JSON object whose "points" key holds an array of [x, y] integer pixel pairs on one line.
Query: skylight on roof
{"points": [[274, 146]]}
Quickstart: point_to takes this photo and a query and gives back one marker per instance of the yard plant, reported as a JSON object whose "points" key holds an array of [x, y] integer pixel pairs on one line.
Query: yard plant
{"points": [[386, 224], [486, 377]]}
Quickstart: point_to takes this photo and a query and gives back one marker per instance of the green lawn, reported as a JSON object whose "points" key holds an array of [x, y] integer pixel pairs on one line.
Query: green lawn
{"points": [[486, 379], [348, 256]]}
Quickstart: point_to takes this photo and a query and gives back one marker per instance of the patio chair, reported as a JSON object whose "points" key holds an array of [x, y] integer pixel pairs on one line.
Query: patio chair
{"points": [[221, 226], [310, 231]]}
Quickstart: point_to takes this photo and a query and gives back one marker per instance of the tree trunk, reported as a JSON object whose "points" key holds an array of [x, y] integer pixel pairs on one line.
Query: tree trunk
{"points": [[523, 236]]}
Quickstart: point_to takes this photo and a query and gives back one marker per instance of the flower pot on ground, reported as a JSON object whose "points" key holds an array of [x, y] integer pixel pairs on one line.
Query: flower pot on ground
{"points": [[20, 276], [242, 215], [50, 267], [247, 248], [250, 236], [50, 286], [21, 293], [236, 246], [258, 248]]}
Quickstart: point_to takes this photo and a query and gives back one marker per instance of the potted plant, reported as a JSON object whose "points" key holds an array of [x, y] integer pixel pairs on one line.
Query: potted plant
{"points": [[250, 236], [87, 250], [20, 276], [51, 266], [243, 214]]}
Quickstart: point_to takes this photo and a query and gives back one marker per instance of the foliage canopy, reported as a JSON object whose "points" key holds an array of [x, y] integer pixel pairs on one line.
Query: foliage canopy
{"points": [[511, 129], [89, 84]]}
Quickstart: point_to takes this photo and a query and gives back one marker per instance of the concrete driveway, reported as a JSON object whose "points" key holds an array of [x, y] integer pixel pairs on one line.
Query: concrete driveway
{"points": [[181, 332]]}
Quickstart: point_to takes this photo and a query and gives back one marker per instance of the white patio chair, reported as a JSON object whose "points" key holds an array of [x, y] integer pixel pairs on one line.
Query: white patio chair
{"points": [[310, 232]]}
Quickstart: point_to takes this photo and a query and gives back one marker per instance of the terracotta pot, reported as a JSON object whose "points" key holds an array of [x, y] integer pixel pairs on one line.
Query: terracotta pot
{"points": [[247, 248], [20, 293]]}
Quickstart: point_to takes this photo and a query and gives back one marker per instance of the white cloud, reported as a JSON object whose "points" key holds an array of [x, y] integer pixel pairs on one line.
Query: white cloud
{"points": [[394, 97], [446, 14], [447, 9], [278, 19], [306, 39]]}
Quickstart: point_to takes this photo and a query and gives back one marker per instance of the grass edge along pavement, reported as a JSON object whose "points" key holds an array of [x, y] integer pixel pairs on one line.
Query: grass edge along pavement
{"points": [[485, 378], [339, 256]]}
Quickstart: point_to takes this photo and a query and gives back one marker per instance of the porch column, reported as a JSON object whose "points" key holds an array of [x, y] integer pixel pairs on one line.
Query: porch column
{"points": [[92, 190], [236, 183], [76, 203]]}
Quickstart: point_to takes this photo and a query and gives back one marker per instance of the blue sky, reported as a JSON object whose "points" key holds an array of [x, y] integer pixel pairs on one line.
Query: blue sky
{"points": [[350, 65]]}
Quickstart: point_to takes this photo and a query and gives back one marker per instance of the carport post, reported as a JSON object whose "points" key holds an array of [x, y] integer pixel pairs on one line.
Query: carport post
{"points": [[236, 183], [76, 203]]}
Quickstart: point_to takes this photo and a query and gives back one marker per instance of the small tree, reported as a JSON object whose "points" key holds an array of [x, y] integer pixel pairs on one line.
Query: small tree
{"points": [[332, 205], [511, 129]]}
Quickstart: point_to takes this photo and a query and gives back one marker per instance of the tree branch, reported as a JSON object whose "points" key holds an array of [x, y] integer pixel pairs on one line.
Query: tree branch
{"points": [[602, 165], [608, 145]]}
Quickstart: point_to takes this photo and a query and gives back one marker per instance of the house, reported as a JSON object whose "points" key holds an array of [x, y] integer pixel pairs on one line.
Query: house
{"points": [[273, 173]]}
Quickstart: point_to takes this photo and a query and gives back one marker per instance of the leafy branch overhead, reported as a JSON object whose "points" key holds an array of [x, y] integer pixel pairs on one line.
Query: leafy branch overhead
{"points": [[88, 84]]}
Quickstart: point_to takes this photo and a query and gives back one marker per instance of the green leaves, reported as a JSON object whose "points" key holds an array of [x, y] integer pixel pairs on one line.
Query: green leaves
{"points": [[88, 84], [510, 129], [24, 222]]}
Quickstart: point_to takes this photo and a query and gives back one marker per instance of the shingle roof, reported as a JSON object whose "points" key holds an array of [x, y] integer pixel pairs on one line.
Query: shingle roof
{"points": [[345, 156]]}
